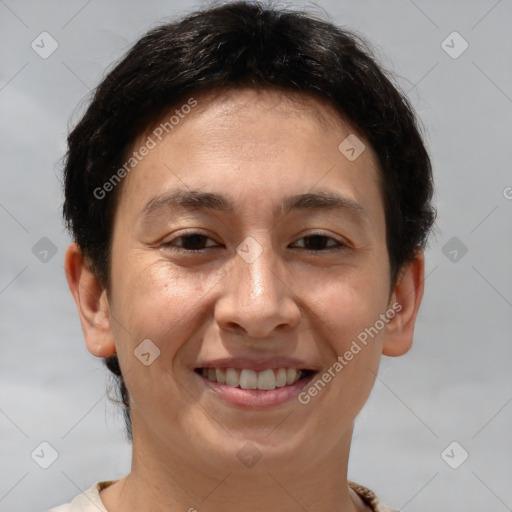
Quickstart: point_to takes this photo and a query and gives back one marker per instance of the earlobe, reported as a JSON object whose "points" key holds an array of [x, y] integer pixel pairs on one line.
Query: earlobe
{"points": [[92, 303], [405, 302]]}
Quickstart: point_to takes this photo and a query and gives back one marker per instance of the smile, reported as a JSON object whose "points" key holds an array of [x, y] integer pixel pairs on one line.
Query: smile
{"points": [[258, 389], [267, 380]]}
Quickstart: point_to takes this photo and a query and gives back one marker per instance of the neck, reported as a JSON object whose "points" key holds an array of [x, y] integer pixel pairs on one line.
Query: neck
{"points": [[171, 479]]}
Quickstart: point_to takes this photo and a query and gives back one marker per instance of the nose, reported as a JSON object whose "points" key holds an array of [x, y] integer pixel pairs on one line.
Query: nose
{"points": [[256, 300]]}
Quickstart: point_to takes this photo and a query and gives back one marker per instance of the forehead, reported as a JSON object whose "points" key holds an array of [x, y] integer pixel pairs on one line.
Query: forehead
{"points": [[247, 101], [269, 142]]}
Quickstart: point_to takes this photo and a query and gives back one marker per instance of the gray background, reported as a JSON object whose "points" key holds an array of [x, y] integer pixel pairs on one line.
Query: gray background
{"points": [[454, 385]]}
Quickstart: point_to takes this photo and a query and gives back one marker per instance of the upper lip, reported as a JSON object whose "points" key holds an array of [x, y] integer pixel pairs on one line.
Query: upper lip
{"points": [[257, 364]]}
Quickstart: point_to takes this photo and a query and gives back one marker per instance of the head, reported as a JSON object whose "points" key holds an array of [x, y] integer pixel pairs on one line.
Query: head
{"points": [[224, 135]]}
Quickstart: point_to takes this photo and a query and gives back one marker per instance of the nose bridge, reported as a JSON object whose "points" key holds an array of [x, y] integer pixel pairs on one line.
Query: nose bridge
{"points": [[256, 274], [254, 297]]}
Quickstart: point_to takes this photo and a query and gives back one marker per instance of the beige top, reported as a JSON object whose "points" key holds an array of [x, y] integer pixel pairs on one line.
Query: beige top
{"points": [[90, 501]]}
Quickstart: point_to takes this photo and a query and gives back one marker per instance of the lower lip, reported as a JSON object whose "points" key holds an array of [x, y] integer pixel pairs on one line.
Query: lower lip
{"points": [[257, 398]]}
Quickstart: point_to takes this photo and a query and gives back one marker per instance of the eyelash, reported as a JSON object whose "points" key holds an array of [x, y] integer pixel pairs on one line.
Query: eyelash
{"points": [[169, 245]]}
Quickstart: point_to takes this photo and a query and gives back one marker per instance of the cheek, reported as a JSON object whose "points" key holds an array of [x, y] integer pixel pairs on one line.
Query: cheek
{"points": [[349, 302], [154, 300], [348, 309]]}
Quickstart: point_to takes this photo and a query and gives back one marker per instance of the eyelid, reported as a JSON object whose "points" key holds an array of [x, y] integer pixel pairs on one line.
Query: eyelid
{"points": [[341, 241], [166, 242]]}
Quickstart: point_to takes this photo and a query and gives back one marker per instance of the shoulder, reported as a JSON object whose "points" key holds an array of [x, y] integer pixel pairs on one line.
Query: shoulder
{"points": [[370, 498], [87, 501]]}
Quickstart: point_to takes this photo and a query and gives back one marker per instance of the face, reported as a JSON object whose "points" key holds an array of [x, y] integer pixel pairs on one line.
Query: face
{"points": [[251, 252]]}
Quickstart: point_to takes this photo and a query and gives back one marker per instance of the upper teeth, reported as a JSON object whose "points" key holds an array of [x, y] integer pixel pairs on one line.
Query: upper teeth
{"points": [[250, 379]]}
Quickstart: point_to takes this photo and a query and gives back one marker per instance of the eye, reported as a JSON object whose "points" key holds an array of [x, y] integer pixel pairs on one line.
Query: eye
{"points": [[318, 242], [191, 242], [195, 242]]}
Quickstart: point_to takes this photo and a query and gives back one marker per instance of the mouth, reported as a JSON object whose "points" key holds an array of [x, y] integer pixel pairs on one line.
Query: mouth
{"points": [[255, 388], [244, 378]]}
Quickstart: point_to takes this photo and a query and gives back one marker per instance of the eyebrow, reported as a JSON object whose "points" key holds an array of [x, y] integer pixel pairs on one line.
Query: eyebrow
{"points": [[319, 200]]}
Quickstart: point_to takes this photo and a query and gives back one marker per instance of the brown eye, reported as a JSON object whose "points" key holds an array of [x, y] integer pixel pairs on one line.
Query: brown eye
{"points": [[191, 242], [318, 242]]}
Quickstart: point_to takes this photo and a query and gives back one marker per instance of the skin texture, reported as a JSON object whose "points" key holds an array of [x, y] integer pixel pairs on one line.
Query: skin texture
{"points": [[256, 148]]}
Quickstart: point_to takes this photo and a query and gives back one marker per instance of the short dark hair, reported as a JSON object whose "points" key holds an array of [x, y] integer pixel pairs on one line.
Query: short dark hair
{"points": [[245, 44]]}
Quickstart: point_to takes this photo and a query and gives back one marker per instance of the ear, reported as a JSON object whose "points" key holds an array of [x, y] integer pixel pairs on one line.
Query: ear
{"points": [[405, 302], [92, 303]]}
